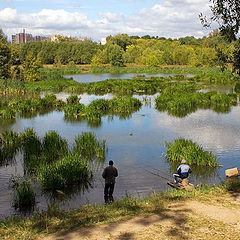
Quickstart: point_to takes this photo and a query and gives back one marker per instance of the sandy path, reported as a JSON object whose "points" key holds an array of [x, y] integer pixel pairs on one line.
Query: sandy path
{"points": [[174, 223]]}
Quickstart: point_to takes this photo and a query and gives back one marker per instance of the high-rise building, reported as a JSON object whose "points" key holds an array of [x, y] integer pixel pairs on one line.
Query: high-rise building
{"points": [[24, 37]]}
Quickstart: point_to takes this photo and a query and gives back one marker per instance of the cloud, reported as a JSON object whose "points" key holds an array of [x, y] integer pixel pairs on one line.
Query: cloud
{"points": [[169, 18]]}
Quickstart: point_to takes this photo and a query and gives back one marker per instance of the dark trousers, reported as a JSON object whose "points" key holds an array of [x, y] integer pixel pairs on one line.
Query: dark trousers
{"points": [[108, 189]]}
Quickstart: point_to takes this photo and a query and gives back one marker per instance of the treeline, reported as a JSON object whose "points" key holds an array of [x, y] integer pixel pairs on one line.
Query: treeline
{"points": [[58, 53], [24, 61], [213, 50], [121, 49]]}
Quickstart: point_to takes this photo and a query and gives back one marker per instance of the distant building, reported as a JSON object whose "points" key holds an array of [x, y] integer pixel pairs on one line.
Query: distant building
{"points": [[103, 41], [54, 38], [24, 37]]}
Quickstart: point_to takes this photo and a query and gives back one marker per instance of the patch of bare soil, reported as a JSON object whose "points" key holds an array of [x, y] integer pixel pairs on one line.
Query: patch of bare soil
{"points": [[182, 220]]}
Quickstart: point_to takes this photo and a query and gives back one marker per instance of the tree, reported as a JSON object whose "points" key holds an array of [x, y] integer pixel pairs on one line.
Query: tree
{"points": [[227, 14], [31, 68], [116, 55], [5, 56], [236, 57], [122, 40]]}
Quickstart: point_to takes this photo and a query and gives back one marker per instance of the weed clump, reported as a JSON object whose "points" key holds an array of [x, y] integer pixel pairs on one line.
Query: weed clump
{"points": [[24, 196], [68, 171], [89, 147], [193, 153]]}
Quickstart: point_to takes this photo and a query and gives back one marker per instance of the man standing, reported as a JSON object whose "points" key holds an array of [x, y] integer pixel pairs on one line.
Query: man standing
{"points": [[182, 172], [109, 174]]}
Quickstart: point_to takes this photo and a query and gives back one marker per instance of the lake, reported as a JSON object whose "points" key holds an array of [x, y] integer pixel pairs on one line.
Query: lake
{"points": [[90, 77], [137, 147]]}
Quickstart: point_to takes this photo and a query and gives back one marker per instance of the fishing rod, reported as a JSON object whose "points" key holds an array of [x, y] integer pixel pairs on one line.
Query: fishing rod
{"points": [[158, 175]]}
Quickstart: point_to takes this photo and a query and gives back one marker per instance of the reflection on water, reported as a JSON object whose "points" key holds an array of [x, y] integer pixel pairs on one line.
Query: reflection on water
{"points": [[135, 144], [90, 77]]}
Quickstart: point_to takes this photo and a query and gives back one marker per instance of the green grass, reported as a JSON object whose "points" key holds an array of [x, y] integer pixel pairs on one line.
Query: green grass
{"points": [[54, 147], [193, 153], [54, 219], [89, 147], [66, 172], [122, 106], [180, 102], [24, 196]]}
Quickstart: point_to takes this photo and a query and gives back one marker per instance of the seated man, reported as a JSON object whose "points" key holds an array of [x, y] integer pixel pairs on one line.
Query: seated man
{"points": [[182, 172]]}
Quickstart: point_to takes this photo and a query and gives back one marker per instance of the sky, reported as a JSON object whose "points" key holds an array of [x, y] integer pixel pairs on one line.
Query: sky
{"points": [[97, 19]]}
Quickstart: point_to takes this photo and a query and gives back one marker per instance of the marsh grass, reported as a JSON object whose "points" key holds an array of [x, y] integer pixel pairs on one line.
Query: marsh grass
{"points": [[73, 99], [74, 110], [122, 106], [10, 143], [89, 147], [7, 113], [193, 153], [54, 147], [182, 103], [32, 148], [68, 171], [24, 196]]}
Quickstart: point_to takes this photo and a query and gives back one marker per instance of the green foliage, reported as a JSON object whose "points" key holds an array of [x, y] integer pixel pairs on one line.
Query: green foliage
{"points": [[115, 55], [220, 99], [122, 40], [193, 153], [31, 67], [236, 57], [73, 99], [54, 147], [180, 103], [7, 113], [10, 143], [32, 148], [226, 13], [75, 110], [122, 106], [63, 52], [89, 147], [24, 196], [70, 170], [5, 55], [237, 87]]}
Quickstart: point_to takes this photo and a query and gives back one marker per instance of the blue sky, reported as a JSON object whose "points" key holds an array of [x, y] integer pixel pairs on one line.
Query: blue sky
{"points": [[98, 19]]}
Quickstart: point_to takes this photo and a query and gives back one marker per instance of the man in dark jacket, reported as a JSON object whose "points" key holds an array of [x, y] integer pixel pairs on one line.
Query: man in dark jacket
{"points": [[109, 174], [182, 171]]}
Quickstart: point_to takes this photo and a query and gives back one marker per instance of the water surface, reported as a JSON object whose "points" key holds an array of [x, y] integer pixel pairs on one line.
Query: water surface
{"points": [[90, 77], [137, 147]]}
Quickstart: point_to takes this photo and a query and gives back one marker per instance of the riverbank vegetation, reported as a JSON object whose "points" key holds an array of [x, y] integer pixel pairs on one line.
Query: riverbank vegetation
{"points": [[181, 103], [195, 155], [54, 220], [51, 160]]}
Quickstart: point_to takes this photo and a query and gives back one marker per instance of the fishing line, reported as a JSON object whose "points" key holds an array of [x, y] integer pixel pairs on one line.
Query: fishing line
{"points": [[158, 175]]}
